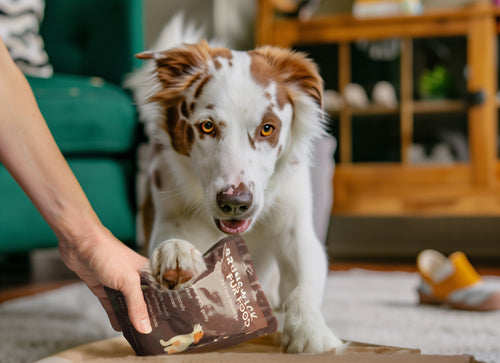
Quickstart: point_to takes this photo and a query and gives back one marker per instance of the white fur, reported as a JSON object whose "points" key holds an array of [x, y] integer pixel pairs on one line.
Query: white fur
{"points": [[281, 236]]}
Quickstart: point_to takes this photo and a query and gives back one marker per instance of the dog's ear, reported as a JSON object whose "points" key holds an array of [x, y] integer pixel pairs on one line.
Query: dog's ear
{"points": [[291, 68], [297, 82], [177, 69]]}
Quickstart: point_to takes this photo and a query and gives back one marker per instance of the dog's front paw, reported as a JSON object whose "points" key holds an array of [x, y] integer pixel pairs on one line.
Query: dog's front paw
{"points": [[175, 263], [305, 331]]}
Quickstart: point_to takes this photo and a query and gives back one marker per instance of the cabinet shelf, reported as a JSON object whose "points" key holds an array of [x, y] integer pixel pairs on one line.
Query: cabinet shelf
{"points": [[403, 188], [419, 107], [439, 106]]}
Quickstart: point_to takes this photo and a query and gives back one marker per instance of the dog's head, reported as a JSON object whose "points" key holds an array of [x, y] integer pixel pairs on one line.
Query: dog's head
{"points": [[238, 118]]}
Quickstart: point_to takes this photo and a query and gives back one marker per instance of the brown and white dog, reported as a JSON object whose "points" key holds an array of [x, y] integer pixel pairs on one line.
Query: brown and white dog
{"points": [[230, 141]]}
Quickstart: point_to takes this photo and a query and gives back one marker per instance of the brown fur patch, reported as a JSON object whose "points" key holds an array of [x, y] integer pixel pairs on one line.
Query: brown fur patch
{"points": [[194, 79], [283, 96], [251, 141], [201, 85], [221, 52], [181, 133], [184, 109], [189, 136], [286, 68], [180, 68]]}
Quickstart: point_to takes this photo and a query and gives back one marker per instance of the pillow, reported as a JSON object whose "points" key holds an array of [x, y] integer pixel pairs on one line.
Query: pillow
{"points": [[19, 28]]}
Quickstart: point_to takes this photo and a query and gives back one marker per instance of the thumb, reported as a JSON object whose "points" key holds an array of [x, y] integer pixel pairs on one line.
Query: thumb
{"points": [[137, 309]]}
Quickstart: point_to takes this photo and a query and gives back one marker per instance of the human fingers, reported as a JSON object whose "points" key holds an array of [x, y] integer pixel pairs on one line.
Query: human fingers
{"points": [[137, 309]]}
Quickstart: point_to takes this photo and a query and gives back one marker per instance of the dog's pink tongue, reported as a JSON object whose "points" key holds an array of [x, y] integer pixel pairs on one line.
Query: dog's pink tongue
{"points": [[234, 226]]}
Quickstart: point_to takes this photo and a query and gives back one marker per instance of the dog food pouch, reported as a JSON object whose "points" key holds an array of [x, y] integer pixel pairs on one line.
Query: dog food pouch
{"points": [[224, 306]]}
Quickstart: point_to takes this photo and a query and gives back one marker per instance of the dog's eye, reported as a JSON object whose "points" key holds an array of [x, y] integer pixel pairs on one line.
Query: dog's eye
{"points": [[207, 127], [267, 130]]}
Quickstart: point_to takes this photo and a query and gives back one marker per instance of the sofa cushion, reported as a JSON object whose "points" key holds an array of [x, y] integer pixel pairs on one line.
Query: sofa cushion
{"points": [[86, 114], [94, 37], [106, 183]]}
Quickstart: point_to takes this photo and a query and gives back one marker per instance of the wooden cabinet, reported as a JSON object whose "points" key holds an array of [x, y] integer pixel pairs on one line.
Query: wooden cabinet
{"points": [[403, 188]]}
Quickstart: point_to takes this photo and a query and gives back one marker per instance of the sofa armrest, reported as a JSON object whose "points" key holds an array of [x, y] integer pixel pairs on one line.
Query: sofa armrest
{"points": [[93, 37]]}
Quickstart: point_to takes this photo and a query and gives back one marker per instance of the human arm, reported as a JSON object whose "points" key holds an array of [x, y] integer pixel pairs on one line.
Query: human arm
{"points": [[30, 154]]}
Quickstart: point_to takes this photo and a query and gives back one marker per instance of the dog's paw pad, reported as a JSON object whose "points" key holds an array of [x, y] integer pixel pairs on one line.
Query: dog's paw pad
{"points": [[175, 263], [175, 276]]}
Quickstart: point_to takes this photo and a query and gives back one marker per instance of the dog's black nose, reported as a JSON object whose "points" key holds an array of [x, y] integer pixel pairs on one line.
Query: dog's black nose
{"points": [[233, 200]]}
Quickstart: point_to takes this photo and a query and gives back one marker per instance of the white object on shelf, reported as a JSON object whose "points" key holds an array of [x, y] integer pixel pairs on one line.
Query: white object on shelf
{"points": [[381, 8], [355, 96], [384, 94], [333, 100], [416, 154], [440, 154]]}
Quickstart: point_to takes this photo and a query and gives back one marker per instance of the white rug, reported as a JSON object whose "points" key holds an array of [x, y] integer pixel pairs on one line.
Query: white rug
{"points": [[382, 308], [360, 305]]}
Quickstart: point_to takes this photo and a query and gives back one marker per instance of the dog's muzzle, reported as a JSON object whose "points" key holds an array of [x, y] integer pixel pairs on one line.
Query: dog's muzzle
{"points": [[234, 202]]}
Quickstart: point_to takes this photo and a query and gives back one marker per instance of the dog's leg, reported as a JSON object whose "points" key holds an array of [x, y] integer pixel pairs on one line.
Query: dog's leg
{"points": [[304, 328], [303, 275], [174, 262], [303, 270]]}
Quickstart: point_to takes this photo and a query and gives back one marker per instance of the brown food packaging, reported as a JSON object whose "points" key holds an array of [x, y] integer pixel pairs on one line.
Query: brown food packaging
{"points": [[225, 306]]}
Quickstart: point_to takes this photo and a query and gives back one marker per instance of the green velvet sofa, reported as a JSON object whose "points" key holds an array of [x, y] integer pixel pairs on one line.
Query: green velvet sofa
{"points": [[91, 45]]}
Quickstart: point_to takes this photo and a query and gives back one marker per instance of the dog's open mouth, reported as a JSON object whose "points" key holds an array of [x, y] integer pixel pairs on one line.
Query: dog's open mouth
{"points": [[233, 226]]}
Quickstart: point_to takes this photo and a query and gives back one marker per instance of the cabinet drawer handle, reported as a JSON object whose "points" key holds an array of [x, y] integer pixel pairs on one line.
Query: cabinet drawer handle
{"points": [[476, 98]]}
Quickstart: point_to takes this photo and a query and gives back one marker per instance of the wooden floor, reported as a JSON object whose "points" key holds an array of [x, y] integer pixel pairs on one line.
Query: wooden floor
{"points": [[47, 272]]}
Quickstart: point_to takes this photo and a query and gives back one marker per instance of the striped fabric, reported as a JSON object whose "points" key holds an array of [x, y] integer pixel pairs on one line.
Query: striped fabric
{"points": [[19, 28]]}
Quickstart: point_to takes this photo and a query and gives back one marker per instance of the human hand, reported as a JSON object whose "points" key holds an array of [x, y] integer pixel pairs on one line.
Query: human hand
{"points": [[99, 259]]}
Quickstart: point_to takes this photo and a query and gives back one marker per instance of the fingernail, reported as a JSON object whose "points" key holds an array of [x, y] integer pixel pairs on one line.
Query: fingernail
{"points": [[145, 326]]}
